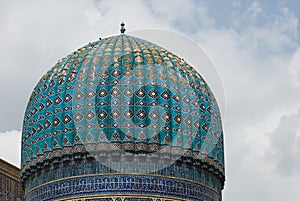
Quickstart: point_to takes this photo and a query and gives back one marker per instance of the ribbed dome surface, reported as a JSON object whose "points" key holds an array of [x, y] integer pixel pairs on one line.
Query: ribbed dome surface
{"points": [[121, 93]]}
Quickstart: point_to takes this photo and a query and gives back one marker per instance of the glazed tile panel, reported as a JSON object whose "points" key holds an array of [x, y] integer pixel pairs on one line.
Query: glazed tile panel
{"points": [[83, 167], [121, 93], [113, 185]]}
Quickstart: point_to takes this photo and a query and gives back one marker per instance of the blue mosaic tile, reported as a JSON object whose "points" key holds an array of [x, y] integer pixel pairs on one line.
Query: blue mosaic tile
{"points": [[121, 93]]}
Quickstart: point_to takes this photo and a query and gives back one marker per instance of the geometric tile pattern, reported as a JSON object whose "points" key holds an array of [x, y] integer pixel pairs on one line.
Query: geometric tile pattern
{"points": [[123, 91], [139, 187], [83, 167]]}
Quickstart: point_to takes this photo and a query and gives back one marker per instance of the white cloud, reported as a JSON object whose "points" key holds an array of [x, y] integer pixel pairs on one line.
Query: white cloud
{"points": [[94, 16], [182, 15], [256, 55], [135, 13], [255, 9], [294, 67], [10, 146], [34, 36], [285, 145], [277, 34], [259, 91]]}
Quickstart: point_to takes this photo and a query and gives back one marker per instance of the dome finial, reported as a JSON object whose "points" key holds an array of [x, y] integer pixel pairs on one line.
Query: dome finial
{"points": [[122, 27]]}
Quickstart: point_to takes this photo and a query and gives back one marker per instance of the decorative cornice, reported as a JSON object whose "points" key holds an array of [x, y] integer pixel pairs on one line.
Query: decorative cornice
{"points": [[9, 170], [114, 197], [118, 185], [121, 174]]}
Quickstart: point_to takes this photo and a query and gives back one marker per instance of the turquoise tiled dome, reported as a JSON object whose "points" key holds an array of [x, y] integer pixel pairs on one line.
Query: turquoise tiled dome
{"points": [[121, 93]]}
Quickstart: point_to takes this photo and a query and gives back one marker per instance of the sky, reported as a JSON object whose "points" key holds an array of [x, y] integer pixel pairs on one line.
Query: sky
{"points": [[255, 46]]}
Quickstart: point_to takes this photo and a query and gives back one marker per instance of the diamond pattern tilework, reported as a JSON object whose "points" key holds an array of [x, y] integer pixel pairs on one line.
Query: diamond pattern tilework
{"points": [[122, 84]]}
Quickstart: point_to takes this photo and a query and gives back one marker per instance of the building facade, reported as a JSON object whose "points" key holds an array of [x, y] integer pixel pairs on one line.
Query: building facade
{"points": [[10, 185], [122, 119]]}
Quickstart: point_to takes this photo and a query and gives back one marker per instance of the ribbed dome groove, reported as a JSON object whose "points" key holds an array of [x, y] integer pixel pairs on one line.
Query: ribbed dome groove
{"points": [[121, 93]]}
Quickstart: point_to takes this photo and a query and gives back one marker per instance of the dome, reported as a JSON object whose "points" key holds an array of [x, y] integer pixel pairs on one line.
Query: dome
{"points": [[123, 94]]}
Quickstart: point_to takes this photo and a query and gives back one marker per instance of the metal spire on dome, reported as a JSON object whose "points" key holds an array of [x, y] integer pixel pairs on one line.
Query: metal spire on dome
{"points": [[122, 27]]}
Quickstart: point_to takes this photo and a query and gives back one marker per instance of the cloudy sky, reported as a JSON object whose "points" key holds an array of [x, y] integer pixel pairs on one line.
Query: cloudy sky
{"points": [[254, 44]]}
